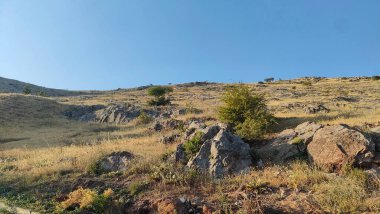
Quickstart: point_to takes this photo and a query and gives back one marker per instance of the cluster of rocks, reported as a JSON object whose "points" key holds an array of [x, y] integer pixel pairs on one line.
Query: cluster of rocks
{"points": [[221, 152], [307, 108], [121, 113], [82, 113], [313, 109], [330, 147], [117, 114]]}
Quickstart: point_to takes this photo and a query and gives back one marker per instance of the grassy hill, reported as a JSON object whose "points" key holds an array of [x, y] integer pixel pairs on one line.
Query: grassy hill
{"points": [[15, 86], [44, 156]]}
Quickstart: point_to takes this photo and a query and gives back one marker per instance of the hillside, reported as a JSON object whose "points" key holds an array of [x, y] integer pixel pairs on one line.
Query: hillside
{"points": [[56, 150], [15, 86]]}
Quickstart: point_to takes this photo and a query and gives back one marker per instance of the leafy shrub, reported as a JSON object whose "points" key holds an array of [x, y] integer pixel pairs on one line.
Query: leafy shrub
{"points": [[159, 101], [27, 90], [193, 146], [143, 119], [159, 92], [375, 77], [42, 94], [246, 111]]}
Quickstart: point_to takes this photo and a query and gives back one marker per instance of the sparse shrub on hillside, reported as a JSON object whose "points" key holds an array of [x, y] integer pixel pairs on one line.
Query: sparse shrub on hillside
{"points": [[95, 168], [143, 119], [136, 188], [306, 83], [159, 92], [27, 90], [246, 111], [193, 145], [42, 94]]}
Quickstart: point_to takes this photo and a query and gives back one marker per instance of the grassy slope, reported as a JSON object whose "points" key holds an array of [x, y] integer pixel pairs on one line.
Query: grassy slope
{"points": [[14, 86], [39, 156]]}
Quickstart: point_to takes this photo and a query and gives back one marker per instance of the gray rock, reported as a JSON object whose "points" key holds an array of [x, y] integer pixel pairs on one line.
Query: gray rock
{"points": [[83, 113], [224, 154], [117, 161], [157, 126], [312, 109], [290, 143], [335, 146], [180, 155], [192, 129], [169, 139]]}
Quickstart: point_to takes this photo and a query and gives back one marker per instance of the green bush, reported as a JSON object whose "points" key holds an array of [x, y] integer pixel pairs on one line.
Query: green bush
{"points": [[159, 92], [95, 168], [160, 101], [193, 146], [247, 112], [143, 119], [136, 188], [27, 90]]}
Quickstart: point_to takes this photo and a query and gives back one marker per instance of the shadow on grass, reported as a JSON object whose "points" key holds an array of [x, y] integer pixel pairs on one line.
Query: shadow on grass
{"points": [[292, 122], [8, 140]]}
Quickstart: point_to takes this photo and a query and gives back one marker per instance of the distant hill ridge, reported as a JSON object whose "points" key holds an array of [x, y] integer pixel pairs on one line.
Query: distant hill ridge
{"points": [[15, 86]]}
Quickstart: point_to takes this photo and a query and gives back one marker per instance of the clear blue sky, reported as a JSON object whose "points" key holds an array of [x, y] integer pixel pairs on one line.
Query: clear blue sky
{"points": [[90, 44]]}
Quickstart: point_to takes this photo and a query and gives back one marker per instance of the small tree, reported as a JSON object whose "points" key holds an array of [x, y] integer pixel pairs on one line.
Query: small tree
{"points": [[42, 94], [247, 112], [159, 92], [27, 90]]}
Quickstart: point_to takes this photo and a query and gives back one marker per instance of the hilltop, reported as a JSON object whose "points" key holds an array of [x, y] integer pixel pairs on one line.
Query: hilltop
{"points": [[15, 86]]}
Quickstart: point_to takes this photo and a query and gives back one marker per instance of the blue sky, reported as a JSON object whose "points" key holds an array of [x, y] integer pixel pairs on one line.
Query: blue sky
{"points": [[90, 44]]}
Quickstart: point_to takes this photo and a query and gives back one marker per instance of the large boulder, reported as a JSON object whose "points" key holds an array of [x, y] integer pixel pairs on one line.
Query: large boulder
{"points": [[289, 144], [222, 154], [117, 161], [336, 146]]}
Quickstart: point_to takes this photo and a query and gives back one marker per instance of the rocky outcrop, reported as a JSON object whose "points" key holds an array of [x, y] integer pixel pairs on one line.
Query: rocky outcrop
{"points": [[290, 143], [170, 124], [82, 113], [221, 153], [375, 133], [117, 161], [336, 146], [180, 155], [313, 109], [117, 114], [169, 138]]}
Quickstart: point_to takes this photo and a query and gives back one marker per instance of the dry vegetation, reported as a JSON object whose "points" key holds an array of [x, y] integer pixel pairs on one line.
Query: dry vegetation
{"points": [[44, 156]]}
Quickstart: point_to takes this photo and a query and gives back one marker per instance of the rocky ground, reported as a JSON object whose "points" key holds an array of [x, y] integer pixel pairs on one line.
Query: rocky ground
{"points": [[110, 152]]}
